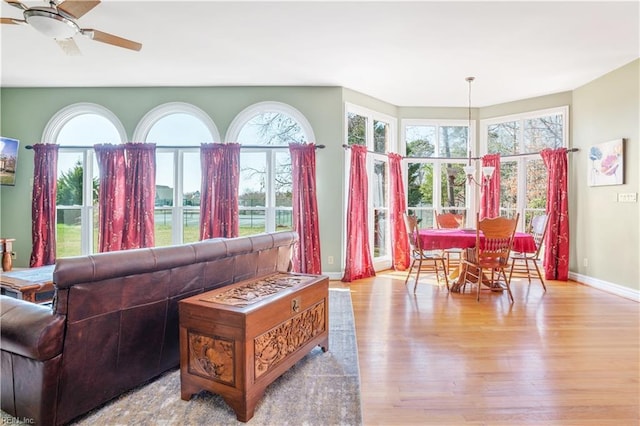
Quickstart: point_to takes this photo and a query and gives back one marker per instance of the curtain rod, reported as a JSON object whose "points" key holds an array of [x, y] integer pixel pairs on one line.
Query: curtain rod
{"points": [[464, 158], [185, 146]]}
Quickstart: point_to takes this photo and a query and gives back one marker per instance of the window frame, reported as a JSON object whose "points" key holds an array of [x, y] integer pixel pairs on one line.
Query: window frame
{"points": [[270, 151], [384, 261], [51, 133], [144, 127], [521, 158], [438, 161]]}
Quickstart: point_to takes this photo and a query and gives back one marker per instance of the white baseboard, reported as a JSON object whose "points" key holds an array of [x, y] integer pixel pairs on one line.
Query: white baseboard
{"points": [[619, 290]]}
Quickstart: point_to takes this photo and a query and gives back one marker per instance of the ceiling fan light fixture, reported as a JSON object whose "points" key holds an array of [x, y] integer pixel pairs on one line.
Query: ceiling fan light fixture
{"points": [[51, 24]]}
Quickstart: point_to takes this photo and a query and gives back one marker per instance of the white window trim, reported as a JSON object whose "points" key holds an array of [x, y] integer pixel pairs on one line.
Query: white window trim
{"points": [[62, 117]]}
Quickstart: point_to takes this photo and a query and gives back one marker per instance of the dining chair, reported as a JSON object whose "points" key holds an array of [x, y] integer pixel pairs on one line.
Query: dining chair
{"points": [[450, 221], [494, 239], [520, 261], [426, 260]]}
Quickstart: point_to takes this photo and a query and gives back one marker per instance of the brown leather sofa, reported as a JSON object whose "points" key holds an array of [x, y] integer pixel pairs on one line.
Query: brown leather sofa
{"points": [[114, 324]]}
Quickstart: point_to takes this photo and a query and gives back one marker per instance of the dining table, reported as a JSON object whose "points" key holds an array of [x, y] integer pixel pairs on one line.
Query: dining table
{"points": [[465, 238], [442, 239]]}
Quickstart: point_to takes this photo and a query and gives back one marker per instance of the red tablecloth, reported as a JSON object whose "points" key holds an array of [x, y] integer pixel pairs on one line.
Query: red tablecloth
{"points": [[440, 239]]}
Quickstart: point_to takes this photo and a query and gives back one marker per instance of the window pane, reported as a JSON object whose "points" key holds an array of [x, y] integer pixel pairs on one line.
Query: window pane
{"points": [[503, 138], [379, 186], [420, 141], [380, 136], [356, 129], [536, 189], [163, 220], [271, 128], [68, 236], [380, 233], [284, 190], [191, 225], [453, 141], [283, 184], [508, 186], [86, 130], [453, 188], [252, 221], [252, 195], [191, 177], [420, 192], [179, 129], [70, 179], [164, 179], [543, 132]]}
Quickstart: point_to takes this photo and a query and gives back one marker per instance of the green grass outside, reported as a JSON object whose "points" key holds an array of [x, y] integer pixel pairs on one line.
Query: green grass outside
{"points": [[68, 237]]}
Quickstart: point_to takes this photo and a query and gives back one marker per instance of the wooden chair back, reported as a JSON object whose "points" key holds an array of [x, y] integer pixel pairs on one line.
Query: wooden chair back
{"points": [[411, 222], [449, 220], [538, 229], [494, 239]]}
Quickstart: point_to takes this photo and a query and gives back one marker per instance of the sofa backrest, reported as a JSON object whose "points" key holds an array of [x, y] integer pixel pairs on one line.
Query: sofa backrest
{"points": [[122, 325]]}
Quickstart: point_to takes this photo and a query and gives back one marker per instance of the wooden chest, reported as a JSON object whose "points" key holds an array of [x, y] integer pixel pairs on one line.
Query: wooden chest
{"points": [[236, 340]]}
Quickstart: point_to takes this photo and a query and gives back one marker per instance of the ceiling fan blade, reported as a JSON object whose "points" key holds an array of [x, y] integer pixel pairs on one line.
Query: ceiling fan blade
{"points": [[111, 39], [17, 4], [69, 46], [12, 21], [77, 8]]}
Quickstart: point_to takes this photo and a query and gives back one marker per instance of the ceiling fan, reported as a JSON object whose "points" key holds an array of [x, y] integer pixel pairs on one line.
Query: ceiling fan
{"points": [[58, 21]]}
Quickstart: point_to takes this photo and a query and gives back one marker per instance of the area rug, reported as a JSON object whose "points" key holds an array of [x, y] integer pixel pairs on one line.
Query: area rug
{"points": [[323, 388]]}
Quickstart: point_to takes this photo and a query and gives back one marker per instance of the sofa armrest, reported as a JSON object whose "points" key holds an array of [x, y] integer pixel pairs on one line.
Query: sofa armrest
{"points": [[30, 330]]}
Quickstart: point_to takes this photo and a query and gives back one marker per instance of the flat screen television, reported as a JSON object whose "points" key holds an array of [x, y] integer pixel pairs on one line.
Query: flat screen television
{"points": [[8, 160]]}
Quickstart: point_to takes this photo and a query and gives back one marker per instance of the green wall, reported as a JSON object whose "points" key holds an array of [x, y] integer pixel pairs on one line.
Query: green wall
{"points": [[26, 112], [603, 231]]}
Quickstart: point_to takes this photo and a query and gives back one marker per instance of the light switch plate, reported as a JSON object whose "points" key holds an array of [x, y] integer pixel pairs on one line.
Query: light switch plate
{"points": [[630, 197]]}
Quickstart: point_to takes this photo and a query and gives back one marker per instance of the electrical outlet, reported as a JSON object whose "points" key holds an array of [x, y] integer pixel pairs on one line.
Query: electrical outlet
{"points": [[630, 197], [585, 262], [330, 260], [13, 255]]}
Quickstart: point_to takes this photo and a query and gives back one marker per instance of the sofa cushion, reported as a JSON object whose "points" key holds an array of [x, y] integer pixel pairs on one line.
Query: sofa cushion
{"points": [[30, 330]]}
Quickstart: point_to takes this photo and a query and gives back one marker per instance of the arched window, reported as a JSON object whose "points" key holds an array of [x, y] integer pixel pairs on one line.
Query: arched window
{"points": [[265, 130], [77, 128], [177, 129]]}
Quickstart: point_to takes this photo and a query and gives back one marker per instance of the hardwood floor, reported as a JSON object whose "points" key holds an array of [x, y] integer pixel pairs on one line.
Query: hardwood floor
{"points": [[569, 356]]}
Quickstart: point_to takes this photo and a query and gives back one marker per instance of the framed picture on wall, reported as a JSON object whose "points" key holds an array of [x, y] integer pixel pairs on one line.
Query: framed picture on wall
{"points": [[606, 163], [8, 160]]}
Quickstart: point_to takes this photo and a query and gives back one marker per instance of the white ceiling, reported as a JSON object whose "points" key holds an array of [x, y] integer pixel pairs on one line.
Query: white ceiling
{"points": [[404, 53]]}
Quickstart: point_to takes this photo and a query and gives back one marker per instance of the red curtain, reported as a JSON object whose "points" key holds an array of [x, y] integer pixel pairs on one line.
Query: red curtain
{"points": [[490, 198], [358, 260], [223, 170], [399, 237], [306, 255], [43, 205], [207, 158], [140, 182], [556, 253], [111, 196]]}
